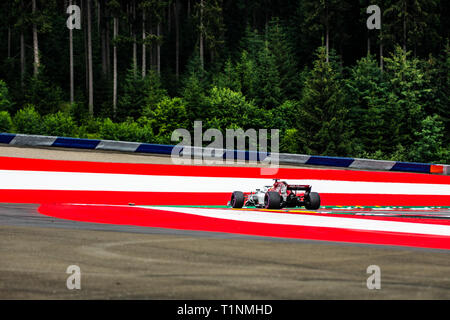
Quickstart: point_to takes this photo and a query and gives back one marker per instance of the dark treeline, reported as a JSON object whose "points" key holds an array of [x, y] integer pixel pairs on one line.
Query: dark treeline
{"points": [[138, 69]]}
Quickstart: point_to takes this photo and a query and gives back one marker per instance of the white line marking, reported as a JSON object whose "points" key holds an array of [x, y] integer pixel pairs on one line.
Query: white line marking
{"points": [[47, 180], [314, 221]]}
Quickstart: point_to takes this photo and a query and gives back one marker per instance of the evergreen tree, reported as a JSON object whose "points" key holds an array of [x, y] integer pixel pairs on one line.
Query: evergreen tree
{"points": [[251, 42], [259, 70], [281, 49], [322, 113], [407, 22], [230, 109], [320, 22], [442, 83], [133, 95], [194, 87], [428, 146], [255, 53], [43, 94], [155, 92], [168, 115], [366, 97], [406, 98], [246, 71], [210, 27], [267, 91], [229, 78], [5, 99]]}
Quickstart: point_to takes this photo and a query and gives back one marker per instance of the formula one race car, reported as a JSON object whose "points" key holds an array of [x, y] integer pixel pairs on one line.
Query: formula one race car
{"points": [[280, 195]]}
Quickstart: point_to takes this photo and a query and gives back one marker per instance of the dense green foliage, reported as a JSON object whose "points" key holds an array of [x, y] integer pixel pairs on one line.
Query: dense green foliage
{"points": [[309, 68]]}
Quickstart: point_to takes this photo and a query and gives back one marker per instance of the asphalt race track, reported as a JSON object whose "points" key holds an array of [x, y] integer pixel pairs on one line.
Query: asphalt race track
{"points": [[120, 261]]}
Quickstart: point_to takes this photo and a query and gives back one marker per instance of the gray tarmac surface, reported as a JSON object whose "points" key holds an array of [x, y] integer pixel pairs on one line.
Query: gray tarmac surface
{"points": [[126, 262]]}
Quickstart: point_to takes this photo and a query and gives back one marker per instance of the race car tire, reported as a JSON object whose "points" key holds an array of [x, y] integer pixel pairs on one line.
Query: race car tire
{"points": [[272, 200], [237, 199], [312, 202]]}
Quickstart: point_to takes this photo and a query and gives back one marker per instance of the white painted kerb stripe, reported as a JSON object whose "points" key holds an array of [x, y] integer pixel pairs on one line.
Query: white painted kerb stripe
{"points": [[47, 180], [21, 139], [314, 221]]}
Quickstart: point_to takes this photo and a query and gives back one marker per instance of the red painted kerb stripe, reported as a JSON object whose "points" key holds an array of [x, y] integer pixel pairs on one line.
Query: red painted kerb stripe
{"points": [[173, 220], [191, 198], [10, 163]]}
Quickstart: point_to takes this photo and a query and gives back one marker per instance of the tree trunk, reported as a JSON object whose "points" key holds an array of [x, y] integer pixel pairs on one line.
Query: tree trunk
{"points": [[144, 51], [381, 55], [202, 63], [107, 43], [98, 16], [22, 51], [85, 39], [158, 49], [327, 44], [134, 39], [415, 40], [177, 38], [327, 38], [169, 19], [102, 9], [116, 32], [22, 59], [404, 26], [9, 41], [254, 20], [71, 62], [35, 43], [152, 47], [91, 80]]}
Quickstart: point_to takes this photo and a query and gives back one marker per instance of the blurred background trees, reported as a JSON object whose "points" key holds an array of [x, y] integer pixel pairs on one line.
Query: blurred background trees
{"points": [[142, 68]]}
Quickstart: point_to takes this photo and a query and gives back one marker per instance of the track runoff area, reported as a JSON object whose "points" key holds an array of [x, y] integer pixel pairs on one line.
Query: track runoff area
{"points": [[139, 227], [363, 207]]}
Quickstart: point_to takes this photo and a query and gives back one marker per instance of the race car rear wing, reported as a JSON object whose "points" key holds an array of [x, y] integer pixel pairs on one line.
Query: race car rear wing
{"points": [[296, 187]]}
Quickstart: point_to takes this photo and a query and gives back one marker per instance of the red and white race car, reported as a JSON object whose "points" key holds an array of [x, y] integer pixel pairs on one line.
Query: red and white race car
{"points": [[280, 195]]}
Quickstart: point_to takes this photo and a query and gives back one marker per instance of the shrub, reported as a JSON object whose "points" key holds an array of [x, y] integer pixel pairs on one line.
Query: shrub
{"points": [[445, 156], [146, 130], [230, 109], [169, 114], [125, 131], [193, 95], [46, 96], [138, 93], [289, 141], [90, 128], [28, 121], [5, 100], [285, 116], [78, 111], [6, 124], [59, 124], [428, 144], [108, 130], [131, 131]]}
